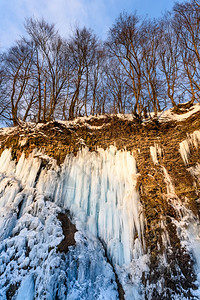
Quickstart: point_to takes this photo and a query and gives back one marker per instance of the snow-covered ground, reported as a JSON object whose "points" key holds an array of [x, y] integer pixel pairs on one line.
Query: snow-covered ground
{"points": [[164, 116]]}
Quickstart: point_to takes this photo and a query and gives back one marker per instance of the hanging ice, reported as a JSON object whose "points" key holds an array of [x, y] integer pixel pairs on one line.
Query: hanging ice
{"points": [[30, 265], [188, 226], [101, 191], [99, 188], [155, 151], [193, 140]]}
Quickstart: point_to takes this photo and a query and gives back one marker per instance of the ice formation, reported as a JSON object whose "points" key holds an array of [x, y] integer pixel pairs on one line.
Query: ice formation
{"points": [[188, 227], [155, 151], [28, 257], [100, 190], [193, 140], [187, 224]]}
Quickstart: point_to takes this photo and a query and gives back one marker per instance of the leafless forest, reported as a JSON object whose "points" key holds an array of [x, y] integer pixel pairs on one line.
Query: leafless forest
{"points": [[144, 65]]}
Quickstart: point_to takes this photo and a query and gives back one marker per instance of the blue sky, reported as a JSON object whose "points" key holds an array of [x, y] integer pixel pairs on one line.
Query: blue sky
{"points": [[96, 14]]}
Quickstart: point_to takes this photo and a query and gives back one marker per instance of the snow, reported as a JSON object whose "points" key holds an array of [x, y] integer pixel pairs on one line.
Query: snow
{"points": [[28, 256], [7, 130], [100, 190], [163, 116], [169, 115]]}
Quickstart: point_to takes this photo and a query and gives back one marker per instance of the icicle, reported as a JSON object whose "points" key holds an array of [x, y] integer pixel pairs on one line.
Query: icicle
{"points": [[195, 171], [193, 139], [6, 164], [100, 189], [154, 151], [185, 151], [170, 187]]}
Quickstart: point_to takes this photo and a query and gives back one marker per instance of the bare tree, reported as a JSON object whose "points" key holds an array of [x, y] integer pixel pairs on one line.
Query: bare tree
{"points": [[169, 55], [96, 79], [151, 80], [142, 63], [124, 42], [51, 62], [18, 62], [187, 26], [83, 47], [5, 107], [118, 86]]}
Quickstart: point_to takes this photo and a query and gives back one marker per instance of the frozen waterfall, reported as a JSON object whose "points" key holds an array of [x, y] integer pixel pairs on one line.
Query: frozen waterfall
{"points": [[99, 188], [100, 191]]}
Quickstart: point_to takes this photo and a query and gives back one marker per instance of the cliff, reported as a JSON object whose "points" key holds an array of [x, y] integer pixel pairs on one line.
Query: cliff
{"points": [[101, 207]]}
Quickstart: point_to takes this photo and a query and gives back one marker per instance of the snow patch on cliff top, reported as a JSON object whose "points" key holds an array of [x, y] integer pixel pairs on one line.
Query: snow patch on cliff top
{"points": [[164, 116]]}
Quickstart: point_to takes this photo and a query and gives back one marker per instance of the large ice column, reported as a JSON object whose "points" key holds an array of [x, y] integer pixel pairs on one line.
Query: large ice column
{"points": [[99, 188], [27, 169], [26, 290]]}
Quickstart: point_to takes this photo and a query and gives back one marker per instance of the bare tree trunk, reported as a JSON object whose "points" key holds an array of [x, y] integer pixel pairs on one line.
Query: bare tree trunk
{"points": [[45, 100], [74, 99], [39, 97], [29, 107], [86, 92]]}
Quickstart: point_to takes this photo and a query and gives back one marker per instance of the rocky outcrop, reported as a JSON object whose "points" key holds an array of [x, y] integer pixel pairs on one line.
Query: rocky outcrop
{"points": [[167, 180]]}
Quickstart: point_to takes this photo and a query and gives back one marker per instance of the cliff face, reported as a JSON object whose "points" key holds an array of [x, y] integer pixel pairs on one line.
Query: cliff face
{"points": [[131, 189]]}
